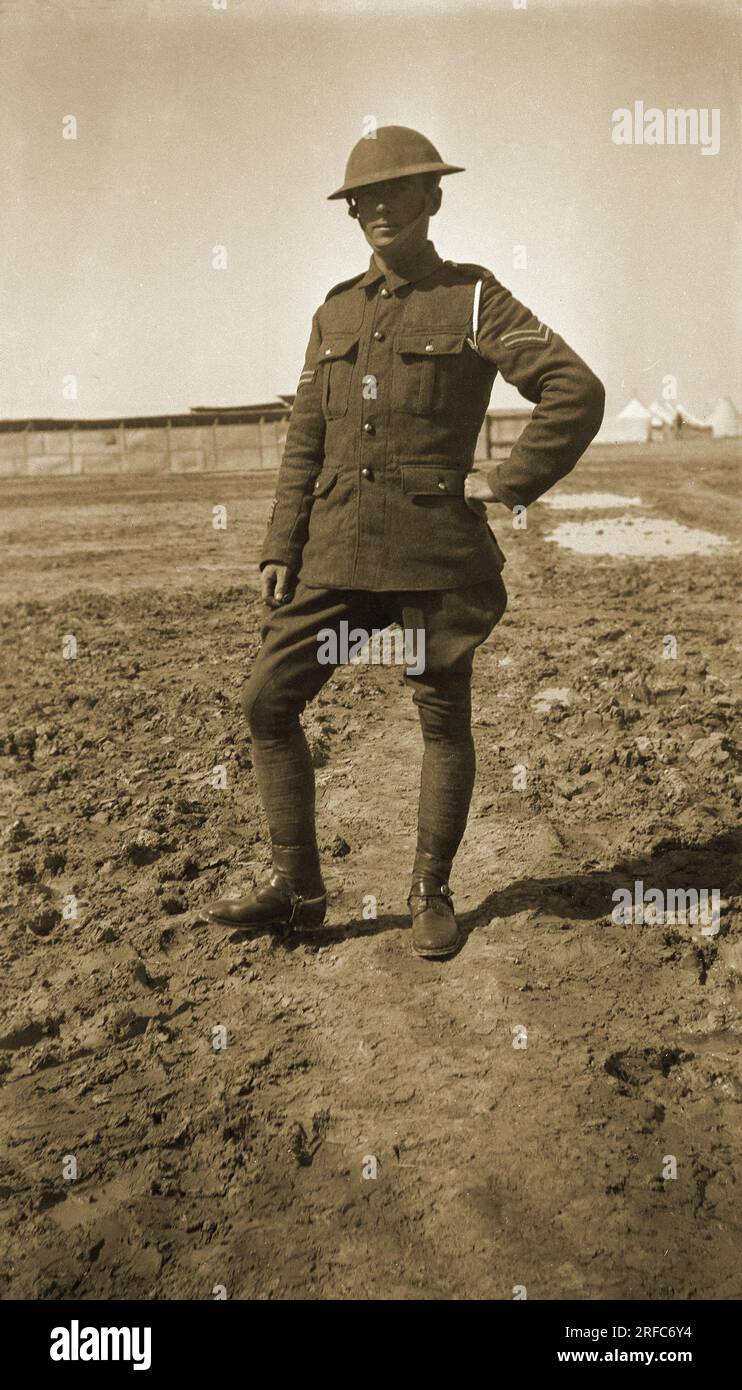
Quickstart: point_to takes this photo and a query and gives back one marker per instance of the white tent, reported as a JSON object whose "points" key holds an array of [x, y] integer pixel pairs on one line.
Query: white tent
{"points": [[636, 422], [667, 412], [724, 419], [630, 426], [661, 414], [634, 410]]}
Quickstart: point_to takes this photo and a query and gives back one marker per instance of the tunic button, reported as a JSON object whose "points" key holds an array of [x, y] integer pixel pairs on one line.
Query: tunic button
{"points": [[379, 336], [366, 473], [385, 293], [369, 427], [328, 352], [442, 485], [429, 347]]}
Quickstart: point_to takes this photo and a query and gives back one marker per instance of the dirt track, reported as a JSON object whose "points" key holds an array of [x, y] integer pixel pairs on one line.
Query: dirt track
{"points": [[497, 1165]]}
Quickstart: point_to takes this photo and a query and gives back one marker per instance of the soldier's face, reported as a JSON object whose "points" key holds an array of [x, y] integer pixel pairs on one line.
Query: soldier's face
{"points": [[384, 209]]}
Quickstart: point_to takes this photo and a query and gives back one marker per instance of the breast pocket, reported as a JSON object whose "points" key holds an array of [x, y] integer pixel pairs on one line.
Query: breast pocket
{"points": [[427, 371], [336, 360]]}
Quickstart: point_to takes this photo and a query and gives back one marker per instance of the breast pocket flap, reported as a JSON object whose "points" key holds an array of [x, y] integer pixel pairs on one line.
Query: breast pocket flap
{"points": [[430, 343], [336, 346]]}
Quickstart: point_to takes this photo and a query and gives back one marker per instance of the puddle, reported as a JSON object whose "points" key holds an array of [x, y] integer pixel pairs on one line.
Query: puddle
{"points": [[626, 536], [589, 501]]}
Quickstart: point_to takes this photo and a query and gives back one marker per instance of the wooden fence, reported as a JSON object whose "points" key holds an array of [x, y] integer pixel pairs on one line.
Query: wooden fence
{"points": [[210, 446]]}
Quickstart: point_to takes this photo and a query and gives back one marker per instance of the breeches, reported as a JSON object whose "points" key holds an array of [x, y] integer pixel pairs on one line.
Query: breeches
{"points": [[288, 672], [444, 627]]}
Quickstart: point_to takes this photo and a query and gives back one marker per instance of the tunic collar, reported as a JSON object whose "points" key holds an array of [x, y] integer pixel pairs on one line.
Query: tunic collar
{"points": [[423, 265]]}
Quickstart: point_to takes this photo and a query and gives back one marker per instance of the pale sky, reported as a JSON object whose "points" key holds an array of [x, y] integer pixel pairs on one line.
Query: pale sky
{"points": [[200, 126]]}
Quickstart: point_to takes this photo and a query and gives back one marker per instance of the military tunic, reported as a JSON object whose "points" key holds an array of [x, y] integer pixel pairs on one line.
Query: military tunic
{"points": [[395, 386]]}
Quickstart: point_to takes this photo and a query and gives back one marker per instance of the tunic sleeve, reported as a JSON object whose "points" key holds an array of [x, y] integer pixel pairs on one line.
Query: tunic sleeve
{"points": [[568, 397], [302, 460]]}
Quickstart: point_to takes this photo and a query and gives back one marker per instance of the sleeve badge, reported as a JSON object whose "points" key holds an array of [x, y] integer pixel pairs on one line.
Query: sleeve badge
{"points": [[517, 336]]}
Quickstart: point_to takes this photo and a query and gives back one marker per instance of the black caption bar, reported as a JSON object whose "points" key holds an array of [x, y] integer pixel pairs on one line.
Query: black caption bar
{"points": [[94, 1341]]}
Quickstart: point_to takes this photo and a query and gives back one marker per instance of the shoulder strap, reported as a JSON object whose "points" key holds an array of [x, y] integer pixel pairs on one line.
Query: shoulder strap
{"points": [[344, 285]]}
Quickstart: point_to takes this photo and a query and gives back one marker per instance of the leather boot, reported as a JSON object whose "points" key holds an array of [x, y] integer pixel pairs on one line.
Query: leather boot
{"points": [[295, 895], [435, 931]]}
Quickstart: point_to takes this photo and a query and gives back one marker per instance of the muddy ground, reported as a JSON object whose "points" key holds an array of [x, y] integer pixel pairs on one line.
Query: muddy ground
{"points": [[242, 1167]]}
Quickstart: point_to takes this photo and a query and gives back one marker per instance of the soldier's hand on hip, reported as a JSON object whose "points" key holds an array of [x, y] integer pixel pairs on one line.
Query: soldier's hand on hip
{"points": [[276, 582], [477, 491]]}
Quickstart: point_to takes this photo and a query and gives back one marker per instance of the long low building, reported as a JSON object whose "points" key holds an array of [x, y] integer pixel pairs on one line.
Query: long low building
{"points": [[210, 439], [219, 441]]}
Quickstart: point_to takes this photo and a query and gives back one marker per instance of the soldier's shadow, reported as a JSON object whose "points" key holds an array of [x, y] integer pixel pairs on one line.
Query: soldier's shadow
{"points": [[571, 897], [588, 896]]}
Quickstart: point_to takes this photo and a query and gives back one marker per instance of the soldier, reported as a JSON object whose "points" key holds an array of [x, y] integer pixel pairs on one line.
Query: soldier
{"points": [[377, 518]]}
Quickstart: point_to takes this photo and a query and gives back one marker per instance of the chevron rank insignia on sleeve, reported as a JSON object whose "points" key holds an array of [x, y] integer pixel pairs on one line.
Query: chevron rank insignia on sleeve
{"points": [[271, 513], [307, 378], [542, 334]]}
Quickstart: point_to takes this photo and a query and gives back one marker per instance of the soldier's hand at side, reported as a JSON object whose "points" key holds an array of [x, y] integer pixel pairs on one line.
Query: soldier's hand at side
{"points": [[276, 583], [477, 491]]}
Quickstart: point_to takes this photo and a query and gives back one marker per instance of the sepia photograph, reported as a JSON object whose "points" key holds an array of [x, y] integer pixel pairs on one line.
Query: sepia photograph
{"points": [[370, 445]]}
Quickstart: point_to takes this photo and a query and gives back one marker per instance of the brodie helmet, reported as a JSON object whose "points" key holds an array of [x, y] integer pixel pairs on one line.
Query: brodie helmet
{"points": [[393, 153]]}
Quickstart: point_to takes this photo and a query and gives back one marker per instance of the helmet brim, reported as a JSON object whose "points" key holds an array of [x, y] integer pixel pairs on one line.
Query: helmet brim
{"points": [[387, 175]]}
